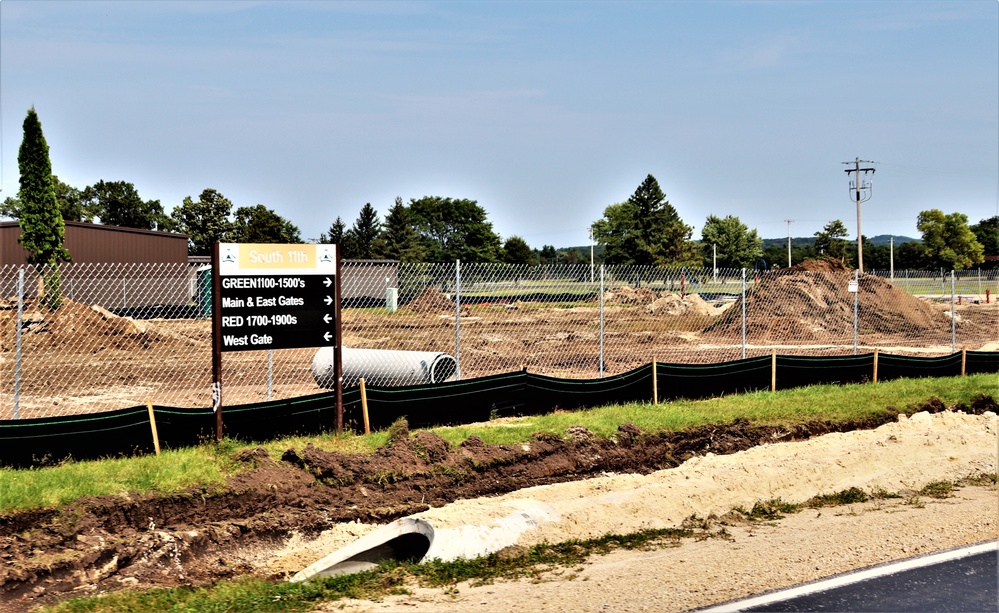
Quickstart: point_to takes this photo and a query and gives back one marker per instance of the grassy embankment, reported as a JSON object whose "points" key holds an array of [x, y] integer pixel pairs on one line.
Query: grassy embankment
{"points": [[207, 467]]}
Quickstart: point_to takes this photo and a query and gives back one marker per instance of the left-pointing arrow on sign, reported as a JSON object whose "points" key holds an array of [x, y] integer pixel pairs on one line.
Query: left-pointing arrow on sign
{"points": [[327, 336], [327, 318]]}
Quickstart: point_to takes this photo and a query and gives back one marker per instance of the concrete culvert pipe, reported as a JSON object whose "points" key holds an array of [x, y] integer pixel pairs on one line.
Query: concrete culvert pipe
{"points": [[405, 539], [384, 367]]}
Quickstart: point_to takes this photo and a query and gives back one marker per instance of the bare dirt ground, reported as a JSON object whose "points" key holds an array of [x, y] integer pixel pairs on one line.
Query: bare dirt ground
{"points": [[283, 514], [84, 359]]}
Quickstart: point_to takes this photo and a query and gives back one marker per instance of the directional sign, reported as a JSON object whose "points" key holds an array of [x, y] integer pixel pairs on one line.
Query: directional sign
{"points": [[276, 296]]}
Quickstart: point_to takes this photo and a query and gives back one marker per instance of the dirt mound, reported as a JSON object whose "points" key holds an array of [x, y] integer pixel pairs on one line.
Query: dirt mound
{"points": [[690, 304], [630, 295], [821, 265], [811, 303], [430, 300], [74, 324]]}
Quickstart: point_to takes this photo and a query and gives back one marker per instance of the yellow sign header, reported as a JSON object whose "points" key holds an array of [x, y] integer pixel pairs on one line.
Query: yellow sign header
{"points": [[276, 256], [276, 259]]}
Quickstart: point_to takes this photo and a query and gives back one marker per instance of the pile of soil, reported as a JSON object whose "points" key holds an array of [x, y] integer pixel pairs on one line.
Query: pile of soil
{"points": [[629, 295], [810, 303], [431, 300], [673, 304], [72, 324]]}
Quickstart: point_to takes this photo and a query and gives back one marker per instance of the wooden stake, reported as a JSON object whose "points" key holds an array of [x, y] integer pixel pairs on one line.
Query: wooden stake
{"points": [[964, 359], [152, 424], [875, 364], [655, 383], [773, 371], [364, 407]]}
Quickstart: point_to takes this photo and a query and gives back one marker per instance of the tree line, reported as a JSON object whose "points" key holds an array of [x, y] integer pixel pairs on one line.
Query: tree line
{"points": [[643, 230]]}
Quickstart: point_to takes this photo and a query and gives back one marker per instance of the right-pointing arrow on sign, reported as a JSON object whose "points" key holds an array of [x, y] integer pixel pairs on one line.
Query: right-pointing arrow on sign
{"points": [[328, 300]]}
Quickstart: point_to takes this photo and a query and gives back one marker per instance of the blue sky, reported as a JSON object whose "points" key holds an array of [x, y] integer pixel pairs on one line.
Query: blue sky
{"points": [[543, 112]]}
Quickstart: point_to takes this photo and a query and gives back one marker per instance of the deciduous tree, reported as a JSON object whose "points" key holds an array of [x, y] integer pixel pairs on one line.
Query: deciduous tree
{"points": [[517, 251], [736, 245], [205, 221], [117, 203], [259, 224], [454, 229], [948, 241]]}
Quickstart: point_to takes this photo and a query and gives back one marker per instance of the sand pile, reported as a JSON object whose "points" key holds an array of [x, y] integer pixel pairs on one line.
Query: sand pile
{"points": [[630, 295], [811, 302], [690, 304]]}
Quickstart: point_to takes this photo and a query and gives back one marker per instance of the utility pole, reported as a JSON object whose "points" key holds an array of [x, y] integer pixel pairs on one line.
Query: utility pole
{"points": [[789, 221], [857, 186]]}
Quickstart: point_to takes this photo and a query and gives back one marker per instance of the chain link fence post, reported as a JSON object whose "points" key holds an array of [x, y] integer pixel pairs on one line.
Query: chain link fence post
{"points": [[457, 319], [743, 313], [953, 315], [601, 365], [17, 351]]}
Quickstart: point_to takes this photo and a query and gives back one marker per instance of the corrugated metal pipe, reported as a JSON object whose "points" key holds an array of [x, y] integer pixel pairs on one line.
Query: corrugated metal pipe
{"points": [[384, 367]]}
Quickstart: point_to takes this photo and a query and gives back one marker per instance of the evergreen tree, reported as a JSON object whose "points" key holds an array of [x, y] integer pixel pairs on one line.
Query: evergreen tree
{"points": [[334, 236], [42, 228], [645, 230], [363, 240], [829, 242], [400, 238]]}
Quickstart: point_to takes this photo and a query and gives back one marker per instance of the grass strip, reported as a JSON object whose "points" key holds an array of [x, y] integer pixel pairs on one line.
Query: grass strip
{"points": [[206, 468]]}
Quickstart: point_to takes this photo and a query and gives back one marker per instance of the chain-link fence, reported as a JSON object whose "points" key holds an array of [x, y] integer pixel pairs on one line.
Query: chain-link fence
{"points": [[126, 334]]}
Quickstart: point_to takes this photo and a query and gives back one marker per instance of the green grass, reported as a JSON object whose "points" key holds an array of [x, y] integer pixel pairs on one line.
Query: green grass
{"points": [[205, 468]]}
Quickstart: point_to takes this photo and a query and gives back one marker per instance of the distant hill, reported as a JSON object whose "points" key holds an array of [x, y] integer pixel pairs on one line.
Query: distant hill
{"points": [[802, 241], [880, 239]]}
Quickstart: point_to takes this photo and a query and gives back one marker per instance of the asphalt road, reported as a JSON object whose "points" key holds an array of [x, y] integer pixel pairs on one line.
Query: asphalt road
{"points": [[959, 581]]}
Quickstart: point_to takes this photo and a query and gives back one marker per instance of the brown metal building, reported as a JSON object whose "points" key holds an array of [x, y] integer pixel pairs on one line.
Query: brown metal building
{"points": [[112, 266], [89, 242]]}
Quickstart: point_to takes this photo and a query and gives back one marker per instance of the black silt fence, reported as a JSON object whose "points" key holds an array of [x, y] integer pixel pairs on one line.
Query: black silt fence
{"points": [[32, 442]]}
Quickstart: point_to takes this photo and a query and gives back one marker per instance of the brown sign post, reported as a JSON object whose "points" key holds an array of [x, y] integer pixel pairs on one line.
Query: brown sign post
{"points": [[274, 296]]}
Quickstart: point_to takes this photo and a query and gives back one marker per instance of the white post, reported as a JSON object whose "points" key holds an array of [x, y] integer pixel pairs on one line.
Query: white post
{"points": [[891, 251], [714, 261]]}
